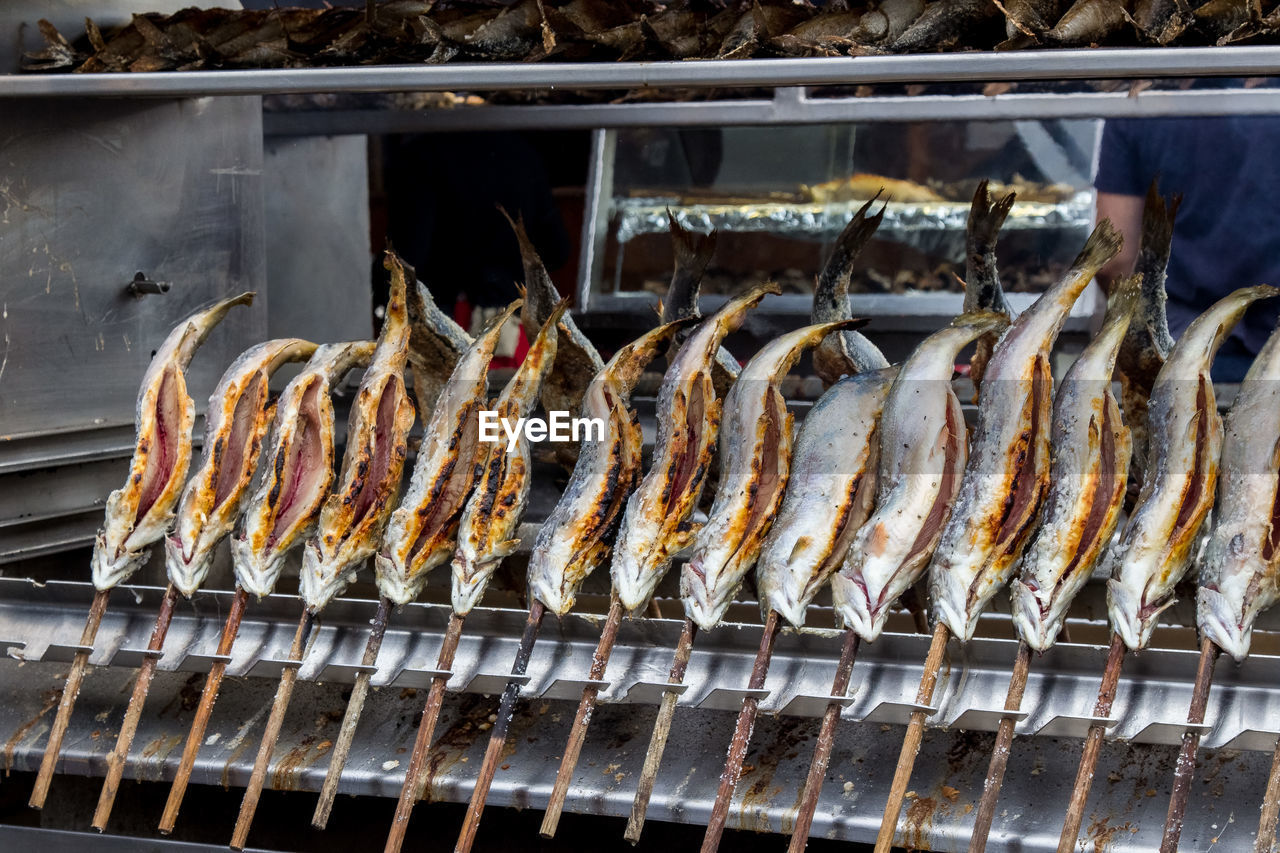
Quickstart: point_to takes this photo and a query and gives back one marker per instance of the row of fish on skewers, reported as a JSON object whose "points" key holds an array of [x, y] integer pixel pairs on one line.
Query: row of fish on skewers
{"points": [[873, 527]]}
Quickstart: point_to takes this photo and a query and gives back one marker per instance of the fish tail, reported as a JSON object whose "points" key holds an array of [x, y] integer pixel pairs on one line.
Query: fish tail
{"points": [[1158, 215], [987, 213], [1103, 245], [830, 298], [1121, 306], [693, 249]]}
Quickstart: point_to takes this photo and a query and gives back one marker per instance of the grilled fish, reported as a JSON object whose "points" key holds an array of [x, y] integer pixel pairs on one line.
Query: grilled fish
{"points": [[1087, 22], [1240, 575], [423, 531], [577, 361], [755, 460], [283, 511], [236, 422], [1160, 21], [831, 489], [888, 20], [1007, 474], [982, 290], [487, 529], [848, 352], [944, 24], [1185, 441], [1030, 17], [574, 539], [1091, 450], [656, 523], [922, 453], [1147, 343], [354, 516], [141, 512]]}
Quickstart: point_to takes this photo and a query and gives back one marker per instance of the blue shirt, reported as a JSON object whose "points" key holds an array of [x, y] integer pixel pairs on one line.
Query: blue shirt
{"points": [[1227, 234]]}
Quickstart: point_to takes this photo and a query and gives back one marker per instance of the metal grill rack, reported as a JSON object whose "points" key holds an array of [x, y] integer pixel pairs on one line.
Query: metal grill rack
{"points": [[38, 622]]}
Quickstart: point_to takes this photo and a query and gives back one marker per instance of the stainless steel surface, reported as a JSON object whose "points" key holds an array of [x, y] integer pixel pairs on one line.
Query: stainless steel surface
{"points": [[90, 193], [1250, 61], [1128, 809], [317, 238], [781, 110]]}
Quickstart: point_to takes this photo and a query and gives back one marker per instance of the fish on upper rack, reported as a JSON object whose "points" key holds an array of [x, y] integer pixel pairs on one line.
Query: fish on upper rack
{"points": [[282, 513], [575, 538], [423, 530], [1088, 22], [487, 528], [142, 511], [755, 462], [1091, 449], [236, 423], [922, 451], [1185, 443], [1007, 474], [355, 514], [656, 523], [1240, 573]]}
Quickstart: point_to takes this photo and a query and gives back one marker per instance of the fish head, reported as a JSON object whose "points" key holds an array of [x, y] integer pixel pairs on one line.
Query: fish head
{"points": [[853, 607], [257, 570], [186, 567], [1219, 622], [397, 579], [1037, 627], [111, 566], [1133, 620], [323, 579]]}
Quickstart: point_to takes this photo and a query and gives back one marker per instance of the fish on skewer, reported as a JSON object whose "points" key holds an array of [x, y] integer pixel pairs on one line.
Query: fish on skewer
{"points": [[656, 523], [141, 512], [693, 252], [353, 516], [1147, 344], [845, 353], [236, 422], [423, 531], [925, 433], [1003, 486], [574, 539], [280, 515], [1088, 476], [486, 536], [1157, 545], [436, 342], [756, 457]]}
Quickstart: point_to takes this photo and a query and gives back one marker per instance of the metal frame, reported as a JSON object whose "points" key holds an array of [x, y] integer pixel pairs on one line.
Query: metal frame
{"points": [[1076, 64]]}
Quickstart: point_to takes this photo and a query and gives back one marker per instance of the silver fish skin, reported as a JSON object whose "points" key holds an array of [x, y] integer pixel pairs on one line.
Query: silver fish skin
{"points": [[829, 493], [423, 530], [141, 512], [849, 352], [487, 529], [355, 514], [1162, 533], [1007, 474], [436, 343], [922, 454], [574, 539], [655, 525], [1091, 451], [282, 512], [755, 462], [1240, 574], [236, 423], [693, 252]]}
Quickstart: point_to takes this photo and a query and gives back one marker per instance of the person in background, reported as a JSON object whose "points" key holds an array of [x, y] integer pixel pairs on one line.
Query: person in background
{"points": [[1227, 234]]}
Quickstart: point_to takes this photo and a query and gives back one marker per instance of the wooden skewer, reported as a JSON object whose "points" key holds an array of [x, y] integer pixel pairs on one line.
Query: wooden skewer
{"points": [[911, 741], [415, 778], [741, 737], [270, 735], [351, 719], [1092, 746], [1186, 766], [498, 735], [822, 752], [70, 691], [661, 730], [1000, 754], [195, 737], [582, 719], [1270, 807], [133, 713]]}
